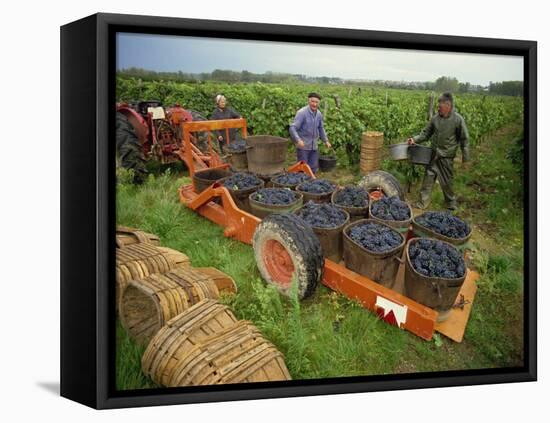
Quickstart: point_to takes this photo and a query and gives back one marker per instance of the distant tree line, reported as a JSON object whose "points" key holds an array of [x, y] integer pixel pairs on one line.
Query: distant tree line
{"points": [[514, 88], [223, 75], [443, 83]]}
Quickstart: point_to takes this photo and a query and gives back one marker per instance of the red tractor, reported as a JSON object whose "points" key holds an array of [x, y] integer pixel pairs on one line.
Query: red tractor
{"points": [[157, 129], [146, 130]]}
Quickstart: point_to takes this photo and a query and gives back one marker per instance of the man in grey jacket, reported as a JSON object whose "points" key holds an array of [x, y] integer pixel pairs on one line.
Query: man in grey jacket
{"points": [[224, 112], [447, 131], [306, 129]]}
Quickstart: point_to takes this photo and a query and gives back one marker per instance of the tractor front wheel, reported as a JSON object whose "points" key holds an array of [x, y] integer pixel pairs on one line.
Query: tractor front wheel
{"points": [[287, 251]]}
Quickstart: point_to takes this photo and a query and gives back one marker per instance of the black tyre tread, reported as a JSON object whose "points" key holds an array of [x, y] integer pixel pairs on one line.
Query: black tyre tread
{"points": [[128, 147], [389, 184], [307, 243]]}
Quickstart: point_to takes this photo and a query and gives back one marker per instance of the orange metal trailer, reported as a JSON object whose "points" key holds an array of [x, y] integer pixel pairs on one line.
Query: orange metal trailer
{"points": [[388, 304]]}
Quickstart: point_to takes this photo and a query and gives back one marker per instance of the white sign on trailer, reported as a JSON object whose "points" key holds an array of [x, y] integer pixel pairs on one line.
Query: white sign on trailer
{"points": [[399, 311]]}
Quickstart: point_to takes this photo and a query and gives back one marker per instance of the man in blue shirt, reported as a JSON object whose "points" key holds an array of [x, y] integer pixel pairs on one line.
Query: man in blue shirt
{"points": [[306, 129]]}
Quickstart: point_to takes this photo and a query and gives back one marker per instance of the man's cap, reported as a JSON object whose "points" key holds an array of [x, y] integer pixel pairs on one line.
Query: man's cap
{"points": [[314, 95], [446, 97]]}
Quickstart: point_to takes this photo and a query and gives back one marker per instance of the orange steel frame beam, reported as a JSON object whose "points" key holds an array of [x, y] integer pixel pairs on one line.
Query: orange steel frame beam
{"points": [[192, 156], [383, 301]]}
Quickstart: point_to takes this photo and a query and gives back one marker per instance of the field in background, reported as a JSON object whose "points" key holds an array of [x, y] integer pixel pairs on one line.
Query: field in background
{"points": [[348, 110]]}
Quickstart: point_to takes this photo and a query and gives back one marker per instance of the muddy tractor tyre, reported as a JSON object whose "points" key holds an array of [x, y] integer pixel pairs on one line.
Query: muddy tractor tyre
{"points": [[128, 148], [384, 181], [287, 250]]}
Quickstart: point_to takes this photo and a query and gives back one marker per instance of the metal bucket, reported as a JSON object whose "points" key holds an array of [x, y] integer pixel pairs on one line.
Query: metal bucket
{"points": [[437, 293], [204, 178], [327, 163], [399, 151], [419, 154], [355, 213], [380, 267], [266, 154], [331, 239], [262, 210]]}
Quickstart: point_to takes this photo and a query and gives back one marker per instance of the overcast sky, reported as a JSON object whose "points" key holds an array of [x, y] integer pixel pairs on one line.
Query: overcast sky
{"points": [[195, 55]]}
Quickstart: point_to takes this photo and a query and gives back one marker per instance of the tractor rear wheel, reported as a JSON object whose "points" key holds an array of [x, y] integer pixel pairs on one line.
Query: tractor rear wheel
{"points": [[287, 251], [379, 180], [128, 148]]}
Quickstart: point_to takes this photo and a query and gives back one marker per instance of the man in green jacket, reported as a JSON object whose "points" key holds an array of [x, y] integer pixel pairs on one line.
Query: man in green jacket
{"points": [[447, 131]]}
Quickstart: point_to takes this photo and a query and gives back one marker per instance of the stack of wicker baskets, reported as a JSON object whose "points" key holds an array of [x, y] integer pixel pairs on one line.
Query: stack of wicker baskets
{"points": [[139, 260], [207, 345], [191, 339], [127, 236], [147, 304], [371, 151]]}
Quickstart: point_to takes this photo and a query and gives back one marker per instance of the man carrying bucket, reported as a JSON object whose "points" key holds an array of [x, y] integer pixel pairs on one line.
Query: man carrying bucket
{"points": [[447, 131], [306, 129]]}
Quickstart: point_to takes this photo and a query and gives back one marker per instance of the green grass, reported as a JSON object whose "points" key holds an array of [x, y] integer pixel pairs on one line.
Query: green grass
{"points": [[328, 335], [128, 359]]}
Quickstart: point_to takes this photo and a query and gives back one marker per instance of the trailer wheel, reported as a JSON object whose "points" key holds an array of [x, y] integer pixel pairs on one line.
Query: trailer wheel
{"points": [[382, 181], [287, 250]]}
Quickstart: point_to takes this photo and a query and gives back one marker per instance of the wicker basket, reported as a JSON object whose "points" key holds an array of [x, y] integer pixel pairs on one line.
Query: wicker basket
{"points": [[371, 151], [206, 345]]}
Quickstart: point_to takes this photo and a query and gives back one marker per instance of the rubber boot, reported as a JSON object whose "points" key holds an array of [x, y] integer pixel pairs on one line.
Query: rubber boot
{"points": [[426, 190]]}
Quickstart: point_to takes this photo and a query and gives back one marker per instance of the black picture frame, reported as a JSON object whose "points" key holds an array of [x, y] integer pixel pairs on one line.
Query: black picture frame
{"points": [[88, 209]]}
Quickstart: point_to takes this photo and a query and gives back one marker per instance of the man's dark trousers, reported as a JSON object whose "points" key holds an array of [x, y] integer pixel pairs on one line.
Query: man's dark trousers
{"points": [[311, 157], [441, 168]]}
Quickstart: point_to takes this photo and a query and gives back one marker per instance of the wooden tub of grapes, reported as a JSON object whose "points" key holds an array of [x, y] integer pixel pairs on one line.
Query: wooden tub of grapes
{"points": [[327, 222], [393, 212], [354, 200], [373, 249], [434, 273], [317, 190]]}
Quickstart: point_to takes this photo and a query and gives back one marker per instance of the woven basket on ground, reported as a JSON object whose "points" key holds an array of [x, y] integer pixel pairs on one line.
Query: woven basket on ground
{"points": [[137, 261], [206, 345], [147, 304], [126, 236]]}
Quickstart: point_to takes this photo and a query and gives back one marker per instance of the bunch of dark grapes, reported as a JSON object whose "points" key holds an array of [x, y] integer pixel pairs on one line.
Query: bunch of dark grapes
{"points": [[375, 237], [444, 223], [351, 196], [434, 258], [240, 181], [291, 179], [317, 186], [322, 215], [391, 208], [275, 196]]}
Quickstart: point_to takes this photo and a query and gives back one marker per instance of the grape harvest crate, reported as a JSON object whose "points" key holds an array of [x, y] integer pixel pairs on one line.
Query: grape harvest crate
{"points": [[389, 304]]}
